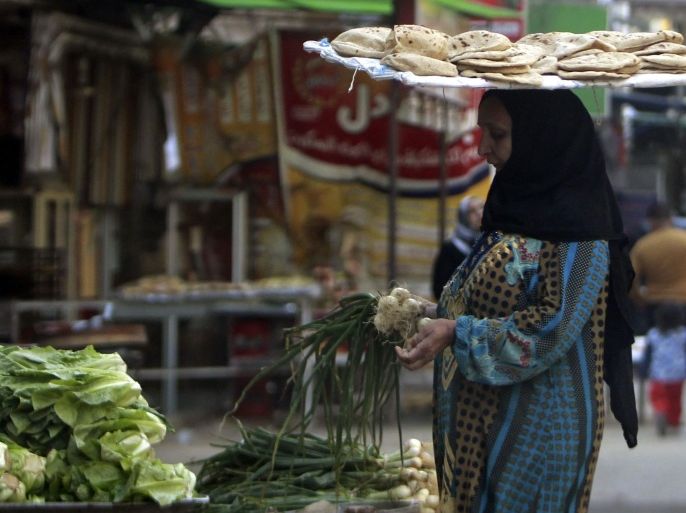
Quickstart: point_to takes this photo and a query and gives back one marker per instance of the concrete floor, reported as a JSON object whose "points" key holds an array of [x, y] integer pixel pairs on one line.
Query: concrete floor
{"points": [[650, 478]]}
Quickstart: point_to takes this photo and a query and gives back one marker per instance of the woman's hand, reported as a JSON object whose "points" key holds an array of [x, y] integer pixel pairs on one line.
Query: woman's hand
{"points": [[423, 347]]}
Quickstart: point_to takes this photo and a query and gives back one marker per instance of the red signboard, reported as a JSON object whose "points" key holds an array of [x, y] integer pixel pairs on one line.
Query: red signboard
{"points": [[337, 122]]}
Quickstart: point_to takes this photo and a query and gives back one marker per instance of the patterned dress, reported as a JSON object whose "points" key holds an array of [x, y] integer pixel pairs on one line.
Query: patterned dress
{"points": [[518, 398]]}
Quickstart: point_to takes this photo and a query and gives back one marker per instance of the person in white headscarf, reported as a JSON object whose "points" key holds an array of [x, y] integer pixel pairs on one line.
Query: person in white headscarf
{"points": [[455, 249]]}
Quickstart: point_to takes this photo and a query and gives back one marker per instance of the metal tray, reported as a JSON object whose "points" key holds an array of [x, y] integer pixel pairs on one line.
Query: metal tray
{"points": [[182, 506]]}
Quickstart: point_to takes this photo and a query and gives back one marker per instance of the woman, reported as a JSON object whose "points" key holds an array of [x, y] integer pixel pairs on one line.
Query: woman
{"points": [[457, 247], [529, 321]]}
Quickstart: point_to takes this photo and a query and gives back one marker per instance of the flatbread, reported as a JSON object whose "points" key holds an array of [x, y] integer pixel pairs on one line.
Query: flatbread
{"points": [[518, 60], [545, 65], [672, 36], [559, 44], [605, 61], [420, 64], [590, 51], [418, 40], [362, 42], [633, 41], [506, 70], [493, 55], [651, 71], [666, 60], [663, 47], [477, 41], [591, 75], [530, 78]]}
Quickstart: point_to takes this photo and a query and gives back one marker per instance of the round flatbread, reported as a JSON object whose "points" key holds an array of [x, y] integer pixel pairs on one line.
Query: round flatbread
{"points": [[663, 47], [632, 41], [546, 65], [590, 51], [362, 42], [418, 40], [671, 36], [605, 61], [666, 60], [530, 78], [521, 58], [591, 75], [559, 44], [493, 55], [507, 70], [420, 64], [652, 71], [477, 41]]}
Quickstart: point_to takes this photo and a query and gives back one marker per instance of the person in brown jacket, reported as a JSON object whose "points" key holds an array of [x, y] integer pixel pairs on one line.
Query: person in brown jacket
{"points": [[659, 261]]}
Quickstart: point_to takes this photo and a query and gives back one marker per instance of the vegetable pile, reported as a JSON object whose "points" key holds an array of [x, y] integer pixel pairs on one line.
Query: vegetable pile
{"points": [[75, 427], [265, 472]]}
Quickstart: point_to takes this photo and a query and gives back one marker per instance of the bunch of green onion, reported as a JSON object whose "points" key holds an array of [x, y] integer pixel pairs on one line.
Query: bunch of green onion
{"points": [[270, 472], [349, 393]]}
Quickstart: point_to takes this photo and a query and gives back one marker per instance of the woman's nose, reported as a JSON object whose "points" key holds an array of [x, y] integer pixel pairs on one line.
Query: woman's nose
{"points": [[483, 147]]}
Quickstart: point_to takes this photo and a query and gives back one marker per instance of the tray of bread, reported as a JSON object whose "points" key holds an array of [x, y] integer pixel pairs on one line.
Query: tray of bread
{"points": [[418, 55]]}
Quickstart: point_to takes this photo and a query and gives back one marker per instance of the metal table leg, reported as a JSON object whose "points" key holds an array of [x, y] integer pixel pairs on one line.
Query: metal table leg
{"points": [[170, 357]]}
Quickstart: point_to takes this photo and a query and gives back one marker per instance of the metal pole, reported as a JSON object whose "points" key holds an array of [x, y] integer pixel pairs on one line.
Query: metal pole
{"points": [[239, 238], [443, 174], [173, 267], [393, 182]]}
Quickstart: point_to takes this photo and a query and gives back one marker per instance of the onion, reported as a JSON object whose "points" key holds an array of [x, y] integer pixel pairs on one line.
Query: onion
{"points": [[415, 462], [421, 475], [407, 473], [432, 501], [421, 495], [410, 443], [412, 307], [400, 492], [414, 485], [400, 294], [428, 460]]}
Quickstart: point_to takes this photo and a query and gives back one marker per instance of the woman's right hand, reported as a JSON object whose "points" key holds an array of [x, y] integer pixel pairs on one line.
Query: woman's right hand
{"points": [[423, 347]]}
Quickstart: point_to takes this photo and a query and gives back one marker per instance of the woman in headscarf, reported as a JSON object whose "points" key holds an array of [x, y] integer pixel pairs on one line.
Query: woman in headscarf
{"points": [[455, 249], [534, 320]]}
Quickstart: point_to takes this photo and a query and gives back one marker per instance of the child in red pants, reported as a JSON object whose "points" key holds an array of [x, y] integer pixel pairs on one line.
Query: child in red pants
{"points": [[664, 362]]}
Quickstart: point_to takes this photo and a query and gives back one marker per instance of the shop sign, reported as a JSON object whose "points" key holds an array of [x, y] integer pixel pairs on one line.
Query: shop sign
{"points": [[336, 123]]}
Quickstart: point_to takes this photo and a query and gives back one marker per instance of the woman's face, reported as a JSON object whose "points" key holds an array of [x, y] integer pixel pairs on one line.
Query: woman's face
{"points": [[474, 213], [496, 136]]}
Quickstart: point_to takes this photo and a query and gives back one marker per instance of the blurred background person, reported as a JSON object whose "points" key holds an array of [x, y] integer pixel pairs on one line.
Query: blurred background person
{"points": [[658, 259], [664, 364], [455, 249]]}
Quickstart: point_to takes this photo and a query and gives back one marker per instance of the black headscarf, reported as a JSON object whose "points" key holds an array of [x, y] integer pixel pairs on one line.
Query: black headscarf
{"points": [[554, 187]]}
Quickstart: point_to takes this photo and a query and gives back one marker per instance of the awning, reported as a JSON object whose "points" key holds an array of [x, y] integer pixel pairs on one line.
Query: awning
{"points": [[340, 6], [382, 7], [479, 10]]}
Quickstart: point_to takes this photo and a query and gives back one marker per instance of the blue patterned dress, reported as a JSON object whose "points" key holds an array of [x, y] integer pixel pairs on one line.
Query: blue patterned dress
{"points": [[518, 398]]}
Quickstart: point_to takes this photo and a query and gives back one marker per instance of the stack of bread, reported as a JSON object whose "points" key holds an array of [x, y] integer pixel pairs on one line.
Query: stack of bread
{"points": [[414, 48], [597, 55]]}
